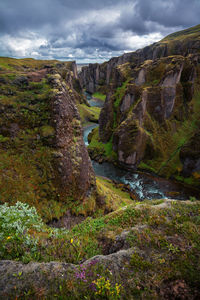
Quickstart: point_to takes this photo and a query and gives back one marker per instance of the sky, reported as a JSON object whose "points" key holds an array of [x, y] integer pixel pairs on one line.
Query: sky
{"points": [[89, 30]]}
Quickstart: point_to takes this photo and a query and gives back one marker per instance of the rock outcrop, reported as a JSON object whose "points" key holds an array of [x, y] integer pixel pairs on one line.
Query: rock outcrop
{"points": [[75, 176], [41, 137]]}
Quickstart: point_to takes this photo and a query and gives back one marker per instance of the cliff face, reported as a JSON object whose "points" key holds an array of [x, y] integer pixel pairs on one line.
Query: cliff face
{"points": [[43, 158], [185, 42], [156, 91], [152, 107], [75, 175]]}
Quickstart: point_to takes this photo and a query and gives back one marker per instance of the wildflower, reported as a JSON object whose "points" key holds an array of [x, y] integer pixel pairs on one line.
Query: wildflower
{"points": [[107, 284], [81, 275], [93, 262], [93, 286], [71, 241], [161, 260], [9, 237], [117, 287]]}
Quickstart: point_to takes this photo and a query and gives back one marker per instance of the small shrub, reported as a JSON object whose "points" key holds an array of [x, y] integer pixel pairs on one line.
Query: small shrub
{"points": [[16, 223]]}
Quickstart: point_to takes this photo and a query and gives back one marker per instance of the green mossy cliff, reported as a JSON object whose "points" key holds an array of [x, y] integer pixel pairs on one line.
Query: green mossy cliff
{"points": [[43, 159], [152, 109]]}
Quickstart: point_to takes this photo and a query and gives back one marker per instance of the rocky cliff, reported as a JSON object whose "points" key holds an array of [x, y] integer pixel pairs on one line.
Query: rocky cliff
{"points": [[152, 105], [96, 76], [43, 158]]}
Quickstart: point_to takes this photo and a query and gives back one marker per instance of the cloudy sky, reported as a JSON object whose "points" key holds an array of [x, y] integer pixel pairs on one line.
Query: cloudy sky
{"points": [[89, 30]]}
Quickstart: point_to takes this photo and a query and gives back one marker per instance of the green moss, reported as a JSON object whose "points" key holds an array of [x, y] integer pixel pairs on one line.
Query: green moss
{"points": [[3, 139], [155, 74], [26, 159], [88, 114], [164, 241], [99, 96], [113, 197], [125, 70], [47, 131], [120, 92], [167, 144], [96, 146], [18, 65], [139, 263], [145, 166]]}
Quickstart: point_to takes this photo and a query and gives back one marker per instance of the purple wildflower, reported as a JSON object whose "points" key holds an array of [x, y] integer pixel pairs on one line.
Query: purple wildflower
{"points": [[80, 275], [93, 287], [93, 262]]}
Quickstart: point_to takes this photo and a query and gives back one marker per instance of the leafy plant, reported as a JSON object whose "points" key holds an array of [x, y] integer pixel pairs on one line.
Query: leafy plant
{"points": [[16, 223]]}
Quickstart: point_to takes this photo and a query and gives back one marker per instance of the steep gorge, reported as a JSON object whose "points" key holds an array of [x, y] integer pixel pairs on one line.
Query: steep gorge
{"points": [[152, 107]]}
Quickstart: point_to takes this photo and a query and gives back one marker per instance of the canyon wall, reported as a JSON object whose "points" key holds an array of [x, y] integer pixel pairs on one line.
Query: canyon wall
{"points": [[43, 158], [152, 95]]}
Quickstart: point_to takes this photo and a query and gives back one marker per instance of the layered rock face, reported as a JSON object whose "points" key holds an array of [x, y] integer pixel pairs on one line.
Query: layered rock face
{"points": [[151, 96], [182, 43], [42, 153], [156, 91]]}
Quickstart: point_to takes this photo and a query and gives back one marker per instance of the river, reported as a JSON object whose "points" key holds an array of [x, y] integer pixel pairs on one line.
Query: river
{"points": [[144, 185]]}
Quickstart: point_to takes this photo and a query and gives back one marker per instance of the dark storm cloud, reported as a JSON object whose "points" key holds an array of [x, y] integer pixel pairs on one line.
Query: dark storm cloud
{"points": [[150, 16], [89, 29], [170, 13], [20, 14]]}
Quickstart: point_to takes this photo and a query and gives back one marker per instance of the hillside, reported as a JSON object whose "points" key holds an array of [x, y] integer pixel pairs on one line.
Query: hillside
{"points": [[190, 33]]}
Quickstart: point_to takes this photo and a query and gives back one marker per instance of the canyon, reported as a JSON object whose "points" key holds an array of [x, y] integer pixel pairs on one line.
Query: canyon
{"points": [[151, 112], [67, 231]]}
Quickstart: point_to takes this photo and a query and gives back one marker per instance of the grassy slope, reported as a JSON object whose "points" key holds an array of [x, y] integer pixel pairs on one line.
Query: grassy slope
{"points": [[164, 237], [190, 33]]}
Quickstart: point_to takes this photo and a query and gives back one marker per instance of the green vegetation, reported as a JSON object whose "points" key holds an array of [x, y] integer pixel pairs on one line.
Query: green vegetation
{"points": [[113, 197], [16, 223], [99, 95], [168, 143], [88, 114], [160, 238], [26, 165], [144, 166], [120, 92], [21, 224], [18, 65], [27, 140], [190, 33], [156, 73], [164, 241], [47, 131], [98, 148]]}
